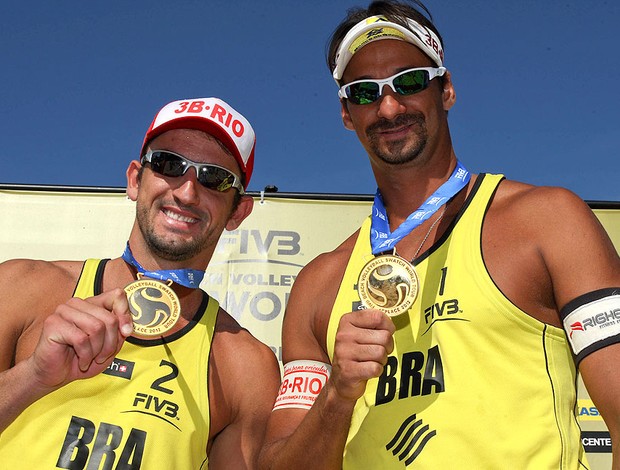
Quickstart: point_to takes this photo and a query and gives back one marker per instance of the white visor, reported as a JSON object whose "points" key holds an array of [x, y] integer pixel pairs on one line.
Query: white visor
{"points": [[379, 27]]}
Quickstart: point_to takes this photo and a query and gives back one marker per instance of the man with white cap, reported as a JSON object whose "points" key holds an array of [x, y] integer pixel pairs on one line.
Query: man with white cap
{"points": [[447, 331], [170, 379]]}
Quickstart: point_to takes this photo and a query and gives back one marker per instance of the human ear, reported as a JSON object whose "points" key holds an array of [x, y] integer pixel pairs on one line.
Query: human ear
{"points": [[244, 208], [346, 116], [449, 94], [133, 179]]}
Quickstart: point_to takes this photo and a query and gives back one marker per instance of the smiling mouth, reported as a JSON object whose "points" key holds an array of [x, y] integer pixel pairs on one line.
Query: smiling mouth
{"points": [[402, 124], [179, 217], [394, 130]]}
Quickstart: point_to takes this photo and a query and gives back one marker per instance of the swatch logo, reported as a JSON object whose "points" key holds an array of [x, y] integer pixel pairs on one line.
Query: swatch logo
{"points": [[410, 439], [120, 368]]}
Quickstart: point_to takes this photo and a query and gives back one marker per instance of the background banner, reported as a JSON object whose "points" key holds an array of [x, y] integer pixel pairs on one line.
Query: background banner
{"points": [[254, 267]]}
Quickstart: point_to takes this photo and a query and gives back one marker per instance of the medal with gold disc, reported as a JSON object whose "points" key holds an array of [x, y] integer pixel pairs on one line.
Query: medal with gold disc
{"points": [[388, 283], [154, 306]]}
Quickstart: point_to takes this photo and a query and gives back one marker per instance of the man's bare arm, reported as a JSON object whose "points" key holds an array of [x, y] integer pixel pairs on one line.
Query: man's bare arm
{"points": [[299, 438], [581, 259], [245, 378], [77, 340]]}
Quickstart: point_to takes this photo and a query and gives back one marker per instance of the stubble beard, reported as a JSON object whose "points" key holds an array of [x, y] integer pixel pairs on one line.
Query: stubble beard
{"points": [[401, 151], [171, 250]]}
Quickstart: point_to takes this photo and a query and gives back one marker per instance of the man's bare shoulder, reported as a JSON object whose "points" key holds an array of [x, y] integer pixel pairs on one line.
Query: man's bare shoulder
{"points": [[227, 325], [31, 290], [244, 378], [32, 280], [237, 356], [235, 344], [320, 280], [309, 306], [545, 218], [522, 201], [243, 372], [515, 194], [327, 268], [551, 237]]}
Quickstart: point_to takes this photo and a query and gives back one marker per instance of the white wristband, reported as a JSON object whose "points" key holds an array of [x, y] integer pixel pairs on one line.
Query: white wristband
{"points": [[301, 384]]}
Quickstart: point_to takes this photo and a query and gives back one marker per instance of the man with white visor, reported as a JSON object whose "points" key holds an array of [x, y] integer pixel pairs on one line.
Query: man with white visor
{"points": [[447, 332]]}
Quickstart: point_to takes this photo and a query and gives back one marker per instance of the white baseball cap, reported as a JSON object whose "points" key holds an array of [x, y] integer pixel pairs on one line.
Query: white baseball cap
{"points": [[215, 117]]}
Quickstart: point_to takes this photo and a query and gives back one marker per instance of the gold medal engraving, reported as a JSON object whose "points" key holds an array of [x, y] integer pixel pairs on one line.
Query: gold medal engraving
{"points": [[388, 283], [154, 306]]}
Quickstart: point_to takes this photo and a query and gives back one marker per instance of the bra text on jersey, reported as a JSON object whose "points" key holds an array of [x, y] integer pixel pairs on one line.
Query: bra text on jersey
{"points": [[87, 446], [414, 374]]}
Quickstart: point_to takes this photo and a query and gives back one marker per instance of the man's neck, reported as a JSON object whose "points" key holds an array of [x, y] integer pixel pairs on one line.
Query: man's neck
{"points": [[404, 190]]}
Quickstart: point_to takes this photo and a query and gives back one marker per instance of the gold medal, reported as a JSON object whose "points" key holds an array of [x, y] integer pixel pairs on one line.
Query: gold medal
{"points": [[155, 307], [388, 283]]}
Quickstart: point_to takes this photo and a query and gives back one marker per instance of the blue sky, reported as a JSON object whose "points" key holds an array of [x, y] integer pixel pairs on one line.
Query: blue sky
{"points": [[536, 86]]}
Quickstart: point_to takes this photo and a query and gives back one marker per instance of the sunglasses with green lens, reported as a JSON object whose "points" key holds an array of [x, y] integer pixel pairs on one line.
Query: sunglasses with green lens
{"points": [[405, 83]]}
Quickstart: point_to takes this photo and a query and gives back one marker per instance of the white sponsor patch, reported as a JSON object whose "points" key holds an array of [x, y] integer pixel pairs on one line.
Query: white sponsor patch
{"points": [[301, 384], [593, 325]]}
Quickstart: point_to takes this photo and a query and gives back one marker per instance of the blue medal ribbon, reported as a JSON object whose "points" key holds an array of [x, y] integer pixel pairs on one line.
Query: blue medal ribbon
{"points": [[186, 277], [382, 240]]}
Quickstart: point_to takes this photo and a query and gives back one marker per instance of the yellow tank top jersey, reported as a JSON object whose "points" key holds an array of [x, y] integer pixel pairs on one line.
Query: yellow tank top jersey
{"points": [[473, 381], [148, 410]]}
